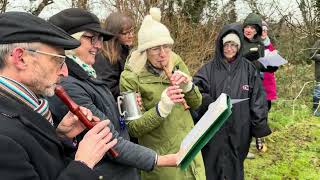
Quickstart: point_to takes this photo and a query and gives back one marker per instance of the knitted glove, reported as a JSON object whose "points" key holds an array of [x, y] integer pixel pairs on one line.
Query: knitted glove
{"points": [[186, 87], [165, 104]]}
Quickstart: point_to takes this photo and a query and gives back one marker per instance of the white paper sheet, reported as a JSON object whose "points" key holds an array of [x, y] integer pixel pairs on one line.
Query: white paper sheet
{"points": [[214, 110], [272, 59]]}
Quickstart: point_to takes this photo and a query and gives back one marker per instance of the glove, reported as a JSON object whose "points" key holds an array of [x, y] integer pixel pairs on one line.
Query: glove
{"points": [[252, 55], [271, 69], [259, 66], [186, 87], [165, 104], [260, 145]]}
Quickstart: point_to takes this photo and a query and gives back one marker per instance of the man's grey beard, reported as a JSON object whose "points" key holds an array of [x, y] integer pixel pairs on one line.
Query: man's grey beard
{"points": [[38, 90]]}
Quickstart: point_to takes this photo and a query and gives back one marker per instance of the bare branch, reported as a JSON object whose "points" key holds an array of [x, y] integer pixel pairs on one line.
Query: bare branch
{"points": [[83, 4], [3, 5], [41, 6]]}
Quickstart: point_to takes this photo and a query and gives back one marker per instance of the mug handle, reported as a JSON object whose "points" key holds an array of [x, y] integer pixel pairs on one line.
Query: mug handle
{"points": [[119, 100]]}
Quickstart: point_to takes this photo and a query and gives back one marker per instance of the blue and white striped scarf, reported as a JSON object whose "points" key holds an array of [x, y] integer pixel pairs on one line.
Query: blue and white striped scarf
{"points": [[18, 91]]}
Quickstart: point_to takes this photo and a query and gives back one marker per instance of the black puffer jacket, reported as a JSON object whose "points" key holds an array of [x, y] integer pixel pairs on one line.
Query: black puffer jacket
{"points": [[226, 151]]}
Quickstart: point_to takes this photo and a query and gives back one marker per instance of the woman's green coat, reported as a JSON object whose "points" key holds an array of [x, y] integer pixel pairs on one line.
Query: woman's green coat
{"points": [[163, 135]]}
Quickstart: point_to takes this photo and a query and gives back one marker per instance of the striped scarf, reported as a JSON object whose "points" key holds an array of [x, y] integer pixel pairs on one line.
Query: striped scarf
{"points": [[18, 91]]}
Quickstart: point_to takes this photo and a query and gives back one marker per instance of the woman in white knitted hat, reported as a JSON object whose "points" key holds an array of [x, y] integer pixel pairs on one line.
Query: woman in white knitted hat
{"points": [[165, 122]]}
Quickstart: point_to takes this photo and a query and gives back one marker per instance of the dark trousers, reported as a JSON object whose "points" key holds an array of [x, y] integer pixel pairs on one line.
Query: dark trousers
{"points": [[316, 96], [269, 105]]}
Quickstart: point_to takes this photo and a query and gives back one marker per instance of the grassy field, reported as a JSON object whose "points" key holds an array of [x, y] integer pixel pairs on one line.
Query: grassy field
{"points": [[293, 148]]}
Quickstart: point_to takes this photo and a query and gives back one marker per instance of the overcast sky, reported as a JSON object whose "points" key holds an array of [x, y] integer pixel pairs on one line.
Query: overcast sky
{"points": [[242, 8]]}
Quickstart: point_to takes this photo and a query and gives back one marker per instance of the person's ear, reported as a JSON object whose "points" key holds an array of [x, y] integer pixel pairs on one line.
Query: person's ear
{"points": [[18, 58]]}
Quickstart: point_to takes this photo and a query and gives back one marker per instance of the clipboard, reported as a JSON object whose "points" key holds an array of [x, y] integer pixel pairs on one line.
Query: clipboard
{"points": [[217, 114]]}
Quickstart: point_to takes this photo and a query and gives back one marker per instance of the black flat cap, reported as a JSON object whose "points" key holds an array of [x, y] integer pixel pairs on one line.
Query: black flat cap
{"points": [[75, 20], [20, 27]]}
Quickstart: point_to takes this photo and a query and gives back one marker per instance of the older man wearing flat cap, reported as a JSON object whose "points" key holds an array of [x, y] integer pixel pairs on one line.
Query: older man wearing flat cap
{"points": [[31, 64]]}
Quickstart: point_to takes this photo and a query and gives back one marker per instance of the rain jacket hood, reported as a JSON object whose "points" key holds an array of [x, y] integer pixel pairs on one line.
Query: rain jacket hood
{"points": [[254, 19], [227, 29]]}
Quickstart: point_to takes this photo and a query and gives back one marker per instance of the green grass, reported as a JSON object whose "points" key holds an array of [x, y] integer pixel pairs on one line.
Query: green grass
{"points": [[293, 147]]}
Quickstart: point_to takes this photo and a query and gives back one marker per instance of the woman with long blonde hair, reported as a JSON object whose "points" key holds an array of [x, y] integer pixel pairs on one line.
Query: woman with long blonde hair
{"points": [[110, 62]]}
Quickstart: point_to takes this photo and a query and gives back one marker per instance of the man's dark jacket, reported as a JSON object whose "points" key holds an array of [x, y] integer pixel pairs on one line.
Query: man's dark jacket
{"points": [[30, 148], [226, 151]]}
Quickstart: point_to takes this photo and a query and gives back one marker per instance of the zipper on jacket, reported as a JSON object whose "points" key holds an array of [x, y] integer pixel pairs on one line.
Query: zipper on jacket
{"points": [[229, 79]]}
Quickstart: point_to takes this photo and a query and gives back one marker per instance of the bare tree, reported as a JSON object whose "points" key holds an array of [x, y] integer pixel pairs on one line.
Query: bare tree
{"points": [[82, 4], [3, 5], [41, 6], [253, 6], [229, 15], [317, 15]]}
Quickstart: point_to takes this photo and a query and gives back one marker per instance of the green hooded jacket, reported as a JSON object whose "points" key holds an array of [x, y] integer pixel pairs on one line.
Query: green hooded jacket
{"points": [[254, 49], [163, 135]]}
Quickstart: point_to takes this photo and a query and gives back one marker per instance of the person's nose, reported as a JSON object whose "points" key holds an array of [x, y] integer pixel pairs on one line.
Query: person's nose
{"points": [[162, 51], [98, 44], [63, 70], [130, 35]]}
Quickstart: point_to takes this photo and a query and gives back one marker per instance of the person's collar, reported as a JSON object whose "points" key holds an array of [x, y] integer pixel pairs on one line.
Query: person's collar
{"points": [[75, 70], [152, 69], [86, 67], [230, 61], [266, 41]]}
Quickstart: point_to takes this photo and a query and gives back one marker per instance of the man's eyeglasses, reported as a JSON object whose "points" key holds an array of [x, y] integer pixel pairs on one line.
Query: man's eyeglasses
{"points": [[94, 39], [59, 58], [157, 49]]}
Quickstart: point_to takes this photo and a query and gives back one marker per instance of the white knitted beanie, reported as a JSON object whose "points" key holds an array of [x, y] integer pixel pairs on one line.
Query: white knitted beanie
{"points": [[232, 37], [153, 33]]}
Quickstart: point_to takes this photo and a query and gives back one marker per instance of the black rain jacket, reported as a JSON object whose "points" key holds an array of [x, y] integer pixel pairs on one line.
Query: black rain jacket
{"points": [[226, 151]]}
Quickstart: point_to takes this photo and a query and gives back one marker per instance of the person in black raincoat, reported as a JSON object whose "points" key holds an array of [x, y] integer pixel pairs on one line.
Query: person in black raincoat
{"points": [[234, 75]]}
